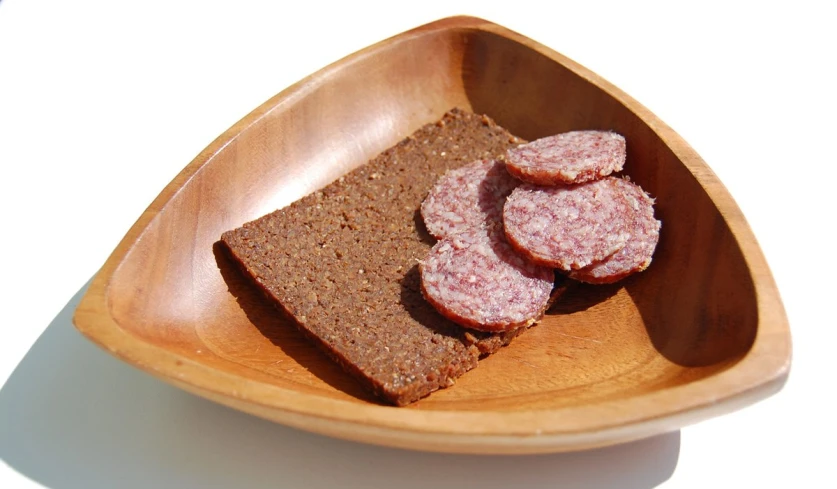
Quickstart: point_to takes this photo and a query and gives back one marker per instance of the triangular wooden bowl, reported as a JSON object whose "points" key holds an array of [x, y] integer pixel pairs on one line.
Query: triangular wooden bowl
{"points": [[702, 332]]}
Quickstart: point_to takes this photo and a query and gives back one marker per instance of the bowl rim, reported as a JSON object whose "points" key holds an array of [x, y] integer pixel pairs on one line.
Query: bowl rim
{"points": [[757, 375]]}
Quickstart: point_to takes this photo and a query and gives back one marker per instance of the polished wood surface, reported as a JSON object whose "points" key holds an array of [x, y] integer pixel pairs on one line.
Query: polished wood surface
{"points": [[700, 333]]}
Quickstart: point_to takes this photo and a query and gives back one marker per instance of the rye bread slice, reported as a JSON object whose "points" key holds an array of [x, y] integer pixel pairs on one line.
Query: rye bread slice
{"points": [[342, 262]]}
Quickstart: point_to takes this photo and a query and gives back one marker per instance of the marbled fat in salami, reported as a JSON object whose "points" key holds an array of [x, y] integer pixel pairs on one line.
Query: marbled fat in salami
{"points": [[568, 158], [637, 253], [476, 280], [568, 227], [469, 196]]}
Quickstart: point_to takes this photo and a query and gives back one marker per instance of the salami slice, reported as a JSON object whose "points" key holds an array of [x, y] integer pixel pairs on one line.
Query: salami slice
{"points": [[637, 253], [568, 158], [476, 280], [568, 227], [470, 196]]}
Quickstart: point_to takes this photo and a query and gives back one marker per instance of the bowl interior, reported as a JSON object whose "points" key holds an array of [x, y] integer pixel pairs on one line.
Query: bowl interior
{"points": [[691, 315]]}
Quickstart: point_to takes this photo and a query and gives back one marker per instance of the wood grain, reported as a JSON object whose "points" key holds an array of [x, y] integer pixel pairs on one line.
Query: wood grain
{"points": [[700, 333]]}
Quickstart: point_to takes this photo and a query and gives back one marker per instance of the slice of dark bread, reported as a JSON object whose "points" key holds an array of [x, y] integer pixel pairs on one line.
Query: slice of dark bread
{"points": [[343, 263]]}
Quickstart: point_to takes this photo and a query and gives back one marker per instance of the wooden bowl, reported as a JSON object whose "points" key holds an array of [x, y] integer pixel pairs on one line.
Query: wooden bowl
{"points": [[700, 333]]}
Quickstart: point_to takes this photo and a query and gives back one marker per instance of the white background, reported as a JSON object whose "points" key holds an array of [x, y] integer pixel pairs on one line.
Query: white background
{"points": [[103, 103]]}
